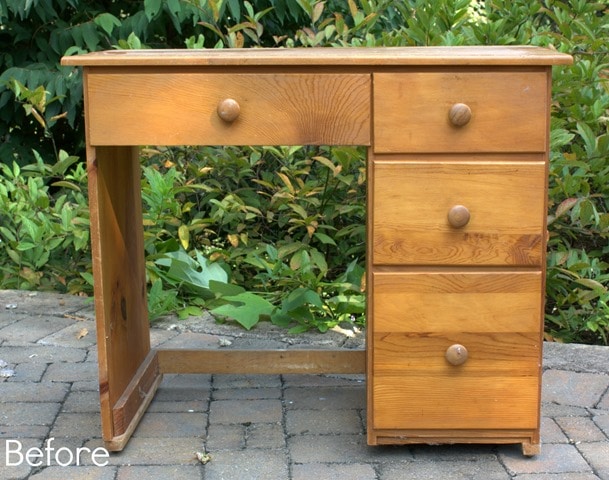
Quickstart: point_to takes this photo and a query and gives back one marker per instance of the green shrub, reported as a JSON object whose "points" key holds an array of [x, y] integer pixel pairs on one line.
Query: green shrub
{"points": [[283, 225], [286, 224], [44, 235]]}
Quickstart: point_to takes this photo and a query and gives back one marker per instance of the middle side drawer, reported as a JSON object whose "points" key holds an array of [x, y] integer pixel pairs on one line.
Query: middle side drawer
{"points": [[415, 203]]}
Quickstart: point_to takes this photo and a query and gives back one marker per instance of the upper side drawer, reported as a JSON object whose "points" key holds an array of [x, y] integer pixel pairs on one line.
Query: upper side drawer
{"points": [[182, 109], [508, 111]]}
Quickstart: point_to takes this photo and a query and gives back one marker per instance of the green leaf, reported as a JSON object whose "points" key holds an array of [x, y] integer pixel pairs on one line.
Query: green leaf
{"points": [[587, 213], [194, 274], [588, 137], [591, 284], [300, 297], [174, 6], [107, 22], [325, 239], [560, 137], [25, 246], [90, 36], [299, 210], [225, 289], [8, 234], [235, 9], [152, 8], [88, 277], [245, 308], [190, 311]]}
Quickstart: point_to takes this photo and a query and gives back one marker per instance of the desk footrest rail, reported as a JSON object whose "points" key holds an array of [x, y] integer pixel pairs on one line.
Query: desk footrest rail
{"points": [[262, 361]]}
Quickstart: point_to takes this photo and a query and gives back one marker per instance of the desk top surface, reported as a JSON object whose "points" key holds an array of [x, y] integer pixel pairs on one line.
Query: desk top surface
{"points": [[388, 56]]}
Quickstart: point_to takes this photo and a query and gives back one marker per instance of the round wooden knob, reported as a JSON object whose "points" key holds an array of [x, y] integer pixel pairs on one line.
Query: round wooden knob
{"points": [[458, 216], [228, 110], [460, 114], [456, 354]]}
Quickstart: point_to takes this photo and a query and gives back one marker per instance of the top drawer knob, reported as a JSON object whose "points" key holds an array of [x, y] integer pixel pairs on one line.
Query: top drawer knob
{"points": [[458, 216], [228, 110], [460, 114]]}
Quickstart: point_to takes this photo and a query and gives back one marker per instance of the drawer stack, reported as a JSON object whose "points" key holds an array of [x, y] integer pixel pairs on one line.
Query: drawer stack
{"points": [[457, 222]]}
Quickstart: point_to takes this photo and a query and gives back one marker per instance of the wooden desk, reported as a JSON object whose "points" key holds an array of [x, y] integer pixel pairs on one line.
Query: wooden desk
{"points": [[457, 168]]}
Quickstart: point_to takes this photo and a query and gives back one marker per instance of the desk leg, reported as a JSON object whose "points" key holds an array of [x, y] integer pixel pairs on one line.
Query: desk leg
{"points": [[128, 369]]}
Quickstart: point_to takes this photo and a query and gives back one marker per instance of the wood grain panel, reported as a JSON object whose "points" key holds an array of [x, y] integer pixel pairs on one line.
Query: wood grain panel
{"points": [[262, 361], [311, 57], [455, 401], [117, 246], [136, 108], [509, 111], [428, 302], [512, 353], [412, 200]]}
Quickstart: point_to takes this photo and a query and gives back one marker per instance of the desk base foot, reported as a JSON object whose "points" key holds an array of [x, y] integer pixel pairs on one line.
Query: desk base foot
{"points": [[132, 405]]}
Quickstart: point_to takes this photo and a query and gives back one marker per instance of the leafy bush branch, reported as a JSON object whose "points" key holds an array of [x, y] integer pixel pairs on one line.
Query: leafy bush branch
{"points": [[278, 232]]}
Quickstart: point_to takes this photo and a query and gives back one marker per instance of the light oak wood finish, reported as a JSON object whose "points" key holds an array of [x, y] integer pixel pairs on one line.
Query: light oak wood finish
{"points": [[414, 200], [118, 266], [462, 300], [262, 361], [168, 108], [456, 220], [306, 57], [412, 113]]}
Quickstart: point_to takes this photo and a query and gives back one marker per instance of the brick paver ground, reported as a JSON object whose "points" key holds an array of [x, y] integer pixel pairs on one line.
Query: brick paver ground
{"points": [[282, 427]]}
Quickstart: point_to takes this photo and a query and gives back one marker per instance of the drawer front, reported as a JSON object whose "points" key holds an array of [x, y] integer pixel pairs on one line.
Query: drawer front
{"points": [[480, 302], [414, 205], [508, 112], [182, 109], [418, 317], [457, 402]]}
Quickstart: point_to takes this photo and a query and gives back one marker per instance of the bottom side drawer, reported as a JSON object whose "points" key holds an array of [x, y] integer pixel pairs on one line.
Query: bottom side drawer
{"points": [[455, 402], [417, 319]]}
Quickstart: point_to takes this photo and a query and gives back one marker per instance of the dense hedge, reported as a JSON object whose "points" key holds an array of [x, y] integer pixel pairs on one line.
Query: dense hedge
{"points": [[279, 232]]}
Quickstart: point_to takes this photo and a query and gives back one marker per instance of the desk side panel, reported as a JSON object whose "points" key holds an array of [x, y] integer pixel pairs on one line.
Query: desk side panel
{"points": [[118, 267]]}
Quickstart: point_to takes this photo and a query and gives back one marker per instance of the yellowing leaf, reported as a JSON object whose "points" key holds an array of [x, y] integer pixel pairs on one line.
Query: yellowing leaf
{"points": [[565, 206], [286, 181], [353, 8], [328, 163], [317, 11], [233, 239], [184, 236], [238, 40]]}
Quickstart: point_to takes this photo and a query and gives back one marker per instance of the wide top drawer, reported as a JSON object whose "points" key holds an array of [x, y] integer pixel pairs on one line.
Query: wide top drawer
{"points": [[460, 111], [195, 108]]}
